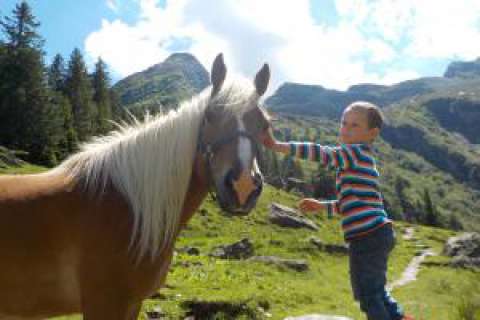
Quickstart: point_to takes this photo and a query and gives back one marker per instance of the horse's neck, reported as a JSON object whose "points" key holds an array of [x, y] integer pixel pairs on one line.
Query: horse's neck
{"points": [[197, 190]]}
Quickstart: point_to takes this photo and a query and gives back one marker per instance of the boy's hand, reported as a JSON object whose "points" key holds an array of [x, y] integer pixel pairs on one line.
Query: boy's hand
{"points": [[268, 140], [310, 204]]}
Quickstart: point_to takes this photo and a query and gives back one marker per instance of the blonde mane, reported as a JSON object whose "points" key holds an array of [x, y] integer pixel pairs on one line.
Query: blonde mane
{"points": [[150, 163]]}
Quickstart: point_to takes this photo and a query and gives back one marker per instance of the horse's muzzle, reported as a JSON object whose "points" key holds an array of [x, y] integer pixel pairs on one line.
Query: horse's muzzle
{"points": [[230, 200]]}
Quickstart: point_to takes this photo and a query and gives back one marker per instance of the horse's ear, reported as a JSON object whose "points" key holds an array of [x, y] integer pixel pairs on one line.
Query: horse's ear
{"points": [[261, 79], [219, 71]]}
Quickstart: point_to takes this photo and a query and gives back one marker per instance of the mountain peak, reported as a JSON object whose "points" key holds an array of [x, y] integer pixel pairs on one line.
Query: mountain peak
{"points": [[179, 57], [180, 76], [463, 69]]}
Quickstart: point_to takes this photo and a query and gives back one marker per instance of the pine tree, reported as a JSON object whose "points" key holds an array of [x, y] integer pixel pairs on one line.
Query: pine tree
{"points": [[25, 108], [431, 214], [454, 223], [57, 74], [69, 141], [275, 165], [79, 92], [20, 29], [408, 210], [118, 112], [101, 97]]}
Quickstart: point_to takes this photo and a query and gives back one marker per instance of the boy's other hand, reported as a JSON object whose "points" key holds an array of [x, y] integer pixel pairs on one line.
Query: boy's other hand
{"points": [[266, 138], [309, 205]]}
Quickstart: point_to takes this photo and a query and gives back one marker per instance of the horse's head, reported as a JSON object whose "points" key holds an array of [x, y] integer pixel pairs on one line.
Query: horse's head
{"points": [[228, 140]]}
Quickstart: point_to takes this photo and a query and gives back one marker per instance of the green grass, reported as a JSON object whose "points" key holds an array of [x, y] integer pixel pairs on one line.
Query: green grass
{"points": [[25, 169], [324, 288], [259, 291]]}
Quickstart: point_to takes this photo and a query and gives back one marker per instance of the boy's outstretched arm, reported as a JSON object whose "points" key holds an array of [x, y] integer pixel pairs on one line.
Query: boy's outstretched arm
{"points": [[327, 156]]}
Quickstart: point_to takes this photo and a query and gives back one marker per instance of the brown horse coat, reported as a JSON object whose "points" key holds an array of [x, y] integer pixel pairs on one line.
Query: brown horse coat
{"points": [[77, 258]]}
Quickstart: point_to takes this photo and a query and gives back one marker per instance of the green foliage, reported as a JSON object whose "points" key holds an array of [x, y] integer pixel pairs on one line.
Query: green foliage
{"points": [[431, 214], [101, 97], [79, 92], [57, 74], [20, 29], [28, 117]]}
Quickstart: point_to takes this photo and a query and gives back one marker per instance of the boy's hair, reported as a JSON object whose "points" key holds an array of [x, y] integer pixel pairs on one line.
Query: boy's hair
{"points": [[375, 116]]}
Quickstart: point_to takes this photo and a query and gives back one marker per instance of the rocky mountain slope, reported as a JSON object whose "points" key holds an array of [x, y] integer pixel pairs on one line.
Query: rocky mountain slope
{"points": [[436, 119], [180, 76]]}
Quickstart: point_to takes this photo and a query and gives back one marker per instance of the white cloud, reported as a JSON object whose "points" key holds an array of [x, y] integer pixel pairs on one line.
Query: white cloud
{"points": [[113, 5], [445, 29], [284, 34]]}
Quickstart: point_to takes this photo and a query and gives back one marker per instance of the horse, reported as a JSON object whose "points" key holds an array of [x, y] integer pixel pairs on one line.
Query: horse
{"points": [[95, 235]]}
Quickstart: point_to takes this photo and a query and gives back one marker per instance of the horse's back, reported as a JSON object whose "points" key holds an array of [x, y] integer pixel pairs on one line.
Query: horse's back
{"points": [[19, 187], [37, 255]]}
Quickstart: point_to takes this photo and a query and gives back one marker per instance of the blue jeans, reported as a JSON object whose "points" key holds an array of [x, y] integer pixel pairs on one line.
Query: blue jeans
{"points": [[368, 274]]}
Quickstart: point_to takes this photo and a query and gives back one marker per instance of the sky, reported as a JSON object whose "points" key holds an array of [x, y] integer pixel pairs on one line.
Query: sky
{"points": [[332, 43]]}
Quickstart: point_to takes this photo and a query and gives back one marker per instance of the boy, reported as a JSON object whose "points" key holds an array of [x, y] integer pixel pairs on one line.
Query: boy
{"points": [[365, 223]]}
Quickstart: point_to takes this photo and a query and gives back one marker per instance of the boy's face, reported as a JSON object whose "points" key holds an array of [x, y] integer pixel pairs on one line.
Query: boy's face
{"points": [[354, 128]]}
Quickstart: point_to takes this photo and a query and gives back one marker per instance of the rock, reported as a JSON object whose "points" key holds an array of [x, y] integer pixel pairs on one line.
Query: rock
{"points": [[9, 158], [190, 250], [155, 313], [298, 186], [466, 244], [238, 250], [465, 262], [329, 248], [297, 265], [318, 317], [198, 309], [157, 296], [465, 250], [288, 217]]}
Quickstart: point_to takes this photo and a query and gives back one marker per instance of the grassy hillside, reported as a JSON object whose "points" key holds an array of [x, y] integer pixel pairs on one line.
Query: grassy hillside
{"points": [[254, 290], [165, 84], [451, 194]]}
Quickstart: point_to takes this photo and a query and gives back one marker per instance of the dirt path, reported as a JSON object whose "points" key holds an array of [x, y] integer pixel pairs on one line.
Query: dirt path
{"points": [[410, 273]]}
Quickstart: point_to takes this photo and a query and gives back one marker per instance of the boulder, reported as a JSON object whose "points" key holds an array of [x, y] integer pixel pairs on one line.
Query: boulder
{"points": [[294, 264], [289, 218], [193, 251], [466, 244], [465, 250], [465, 262], [318, 317], [155, 313], [9, 158], [328, 247], [242, 249]]}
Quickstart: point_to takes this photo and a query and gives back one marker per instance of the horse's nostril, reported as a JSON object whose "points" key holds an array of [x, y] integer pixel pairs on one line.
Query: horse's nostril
{"points": [[258, 179], [229, 179]]}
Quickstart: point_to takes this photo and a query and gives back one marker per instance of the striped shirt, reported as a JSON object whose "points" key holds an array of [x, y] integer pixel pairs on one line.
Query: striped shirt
{"points": [[359, 200]]}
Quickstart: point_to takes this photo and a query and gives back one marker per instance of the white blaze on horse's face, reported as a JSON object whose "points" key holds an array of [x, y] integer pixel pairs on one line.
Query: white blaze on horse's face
{"points": [[244, 185]]}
